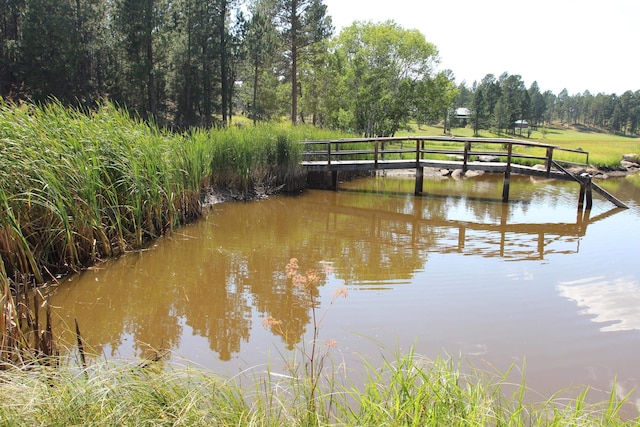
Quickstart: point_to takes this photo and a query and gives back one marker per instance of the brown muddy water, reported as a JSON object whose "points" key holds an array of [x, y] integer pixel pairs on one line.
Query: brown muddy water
{"points": [[534, 283]]}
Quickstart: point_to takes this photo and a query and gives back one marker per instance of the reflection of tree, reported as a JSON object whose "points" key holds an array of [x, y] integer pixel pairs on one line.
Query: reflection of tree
{"points": [[212, 276], [126, 297], [221, 311]]}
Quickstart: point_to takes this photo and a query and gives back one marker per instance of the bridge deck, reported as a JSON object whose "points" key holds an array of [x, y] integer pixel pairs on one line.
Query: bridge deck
{"points": [[492, 167]]}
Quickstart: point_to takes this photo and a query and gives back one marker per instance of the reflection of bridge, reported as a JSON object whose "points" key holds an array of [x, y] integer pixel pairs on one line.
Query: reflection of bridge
{"points": [[499, 155], [489, 239]]}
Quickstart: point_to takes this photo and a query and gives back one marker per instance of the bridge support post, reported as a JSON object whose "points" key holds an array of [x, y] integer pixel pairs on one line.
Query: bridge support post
{"points": [[334, 180], [419, 180], [507, 175], [586, 193]]}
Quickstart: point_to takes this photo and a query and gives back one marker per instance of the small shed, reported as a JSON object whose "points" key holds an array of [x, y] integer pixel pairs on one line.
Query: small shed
{"points": [[521, 125], [463, 113]]}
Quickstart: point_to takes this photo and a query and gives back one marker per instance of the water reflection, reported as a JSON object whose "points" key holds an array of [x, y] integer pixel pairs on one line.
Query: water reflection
{"points": [[452, 258], [614, 302]]}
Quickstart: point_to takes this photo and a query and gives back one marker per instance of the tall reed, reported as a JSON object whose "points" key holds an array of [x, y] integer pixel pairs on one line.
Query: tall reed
{"points": [[76, 187]]}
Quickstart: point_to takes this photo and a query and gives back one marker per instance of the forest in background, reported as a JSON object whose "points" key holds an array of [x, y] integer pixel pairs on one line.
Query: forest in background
{"points": [[197, 63]]}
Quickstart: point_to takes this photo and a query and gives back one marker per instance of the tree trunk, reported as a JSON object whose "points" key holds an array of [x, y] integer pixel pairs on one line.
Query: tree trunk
{"points": [[294, 83], [294, 60], [224, 87], [151, 84], [254, 113]]}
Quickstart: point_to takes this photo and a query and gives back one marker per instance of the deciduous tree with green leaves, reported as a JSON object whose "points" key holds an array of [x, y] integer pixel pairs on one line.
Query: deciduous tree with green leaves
{"points": [[385, 76]]}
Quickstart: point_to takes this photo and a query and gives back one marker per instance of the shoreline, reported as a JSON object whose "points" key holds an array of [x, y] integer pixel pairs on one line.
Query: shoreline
{"points": [[596, 173], [215, 195]]}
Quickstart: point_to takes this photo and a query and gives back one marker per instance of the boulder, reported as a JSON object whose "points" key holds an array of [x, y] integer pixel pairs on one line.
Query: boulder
{"points": [[629, 165], [457, 174], [471, 174]]}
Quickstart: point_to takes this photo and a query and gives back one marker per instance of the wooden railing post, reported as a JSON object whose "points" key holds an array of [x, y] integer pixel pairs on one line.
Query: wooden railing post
{"points": [[507, 174], [586, 194], [329, 153], [376, 150], [549, 160], [419, 171], [467, 148]]}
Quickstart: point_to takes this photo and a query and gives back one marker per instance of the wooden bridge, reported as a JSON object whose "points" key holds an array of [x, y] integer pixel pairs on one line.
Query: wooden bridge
{"points": [[496, 155]]}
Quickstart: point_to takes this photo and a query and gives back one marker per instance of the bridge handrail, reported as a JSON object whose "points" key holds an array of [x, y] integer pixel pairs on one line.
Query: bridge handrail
{"points": [[333, 149]]}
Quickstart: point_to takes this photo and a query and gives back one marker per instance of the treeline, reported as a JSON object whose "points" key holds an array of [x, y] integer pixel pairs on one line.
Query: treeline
{"points": [[186, 63], [175, 61], [197, 63], [497, 103]]}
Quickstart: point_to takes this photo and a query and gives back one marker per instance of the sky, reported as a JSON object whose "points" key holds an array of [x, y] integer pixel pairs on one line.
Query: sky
{"points": [[562, 44]]}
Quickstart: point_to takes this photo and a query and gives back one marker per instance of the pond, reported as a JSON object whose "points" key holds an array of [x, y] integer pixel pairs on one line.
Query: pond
{"points": [[535, 283]]}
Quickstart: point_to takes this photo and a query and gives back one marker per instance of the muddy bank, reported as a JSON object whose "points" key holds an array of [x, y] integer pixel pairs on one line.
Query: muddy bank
{"points": [[214, 195]]}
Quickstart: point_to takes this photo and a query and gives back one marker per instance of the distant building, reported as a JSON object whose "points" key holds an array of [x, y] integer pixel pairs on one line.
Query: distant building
{"points": [[463, 113], [521, 125]]}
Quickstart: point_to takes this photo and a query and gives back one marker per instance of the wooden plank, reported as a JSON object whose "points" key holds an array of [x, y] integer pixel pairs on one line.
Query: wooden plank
{"points": [[610, 197]]}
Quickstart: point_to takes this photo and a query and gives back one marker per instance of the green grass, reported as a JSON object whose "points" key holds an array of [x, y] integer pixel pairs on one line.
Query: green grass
{"points": [[605, 150], [406, 390]]}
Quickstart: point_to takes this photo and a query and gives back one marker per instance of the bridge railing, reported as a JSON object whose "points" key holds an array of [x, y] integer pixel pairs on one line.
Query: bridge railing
{"points": [[438, 147], [426, 151]]}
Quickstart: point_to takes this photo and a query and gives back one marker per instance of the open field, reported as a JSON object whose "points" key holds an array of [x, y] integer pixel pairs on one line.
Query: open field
{"points": [[606, 150]]}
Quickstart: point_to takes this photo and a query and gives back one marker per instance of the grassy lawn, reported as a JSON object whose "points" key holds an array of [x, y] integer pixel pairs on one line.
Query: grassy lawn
{"points": [[604, 149]]}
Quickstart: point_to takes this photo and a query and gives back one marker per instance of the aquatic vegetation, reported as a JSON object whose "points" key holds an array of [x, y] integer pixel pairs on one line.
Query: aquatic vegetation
{"points": [[406, 390], [76, 187], [307, 376]]}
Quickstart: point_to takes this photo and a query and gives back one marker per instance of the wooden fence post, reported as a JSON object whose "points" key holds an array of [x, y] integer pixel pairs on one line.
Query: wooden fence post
{"points": [[589, 194]]}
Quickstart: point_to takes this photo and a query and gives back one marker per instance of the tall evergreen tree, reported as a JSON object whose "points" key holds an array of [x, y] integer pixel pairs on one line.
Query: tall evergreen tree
{"points": [[11, 13], [261, 42], [50, 46], [513, 99], [183, 84], [479, 110], [139, 24], [538, 105], [301, 23]]}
